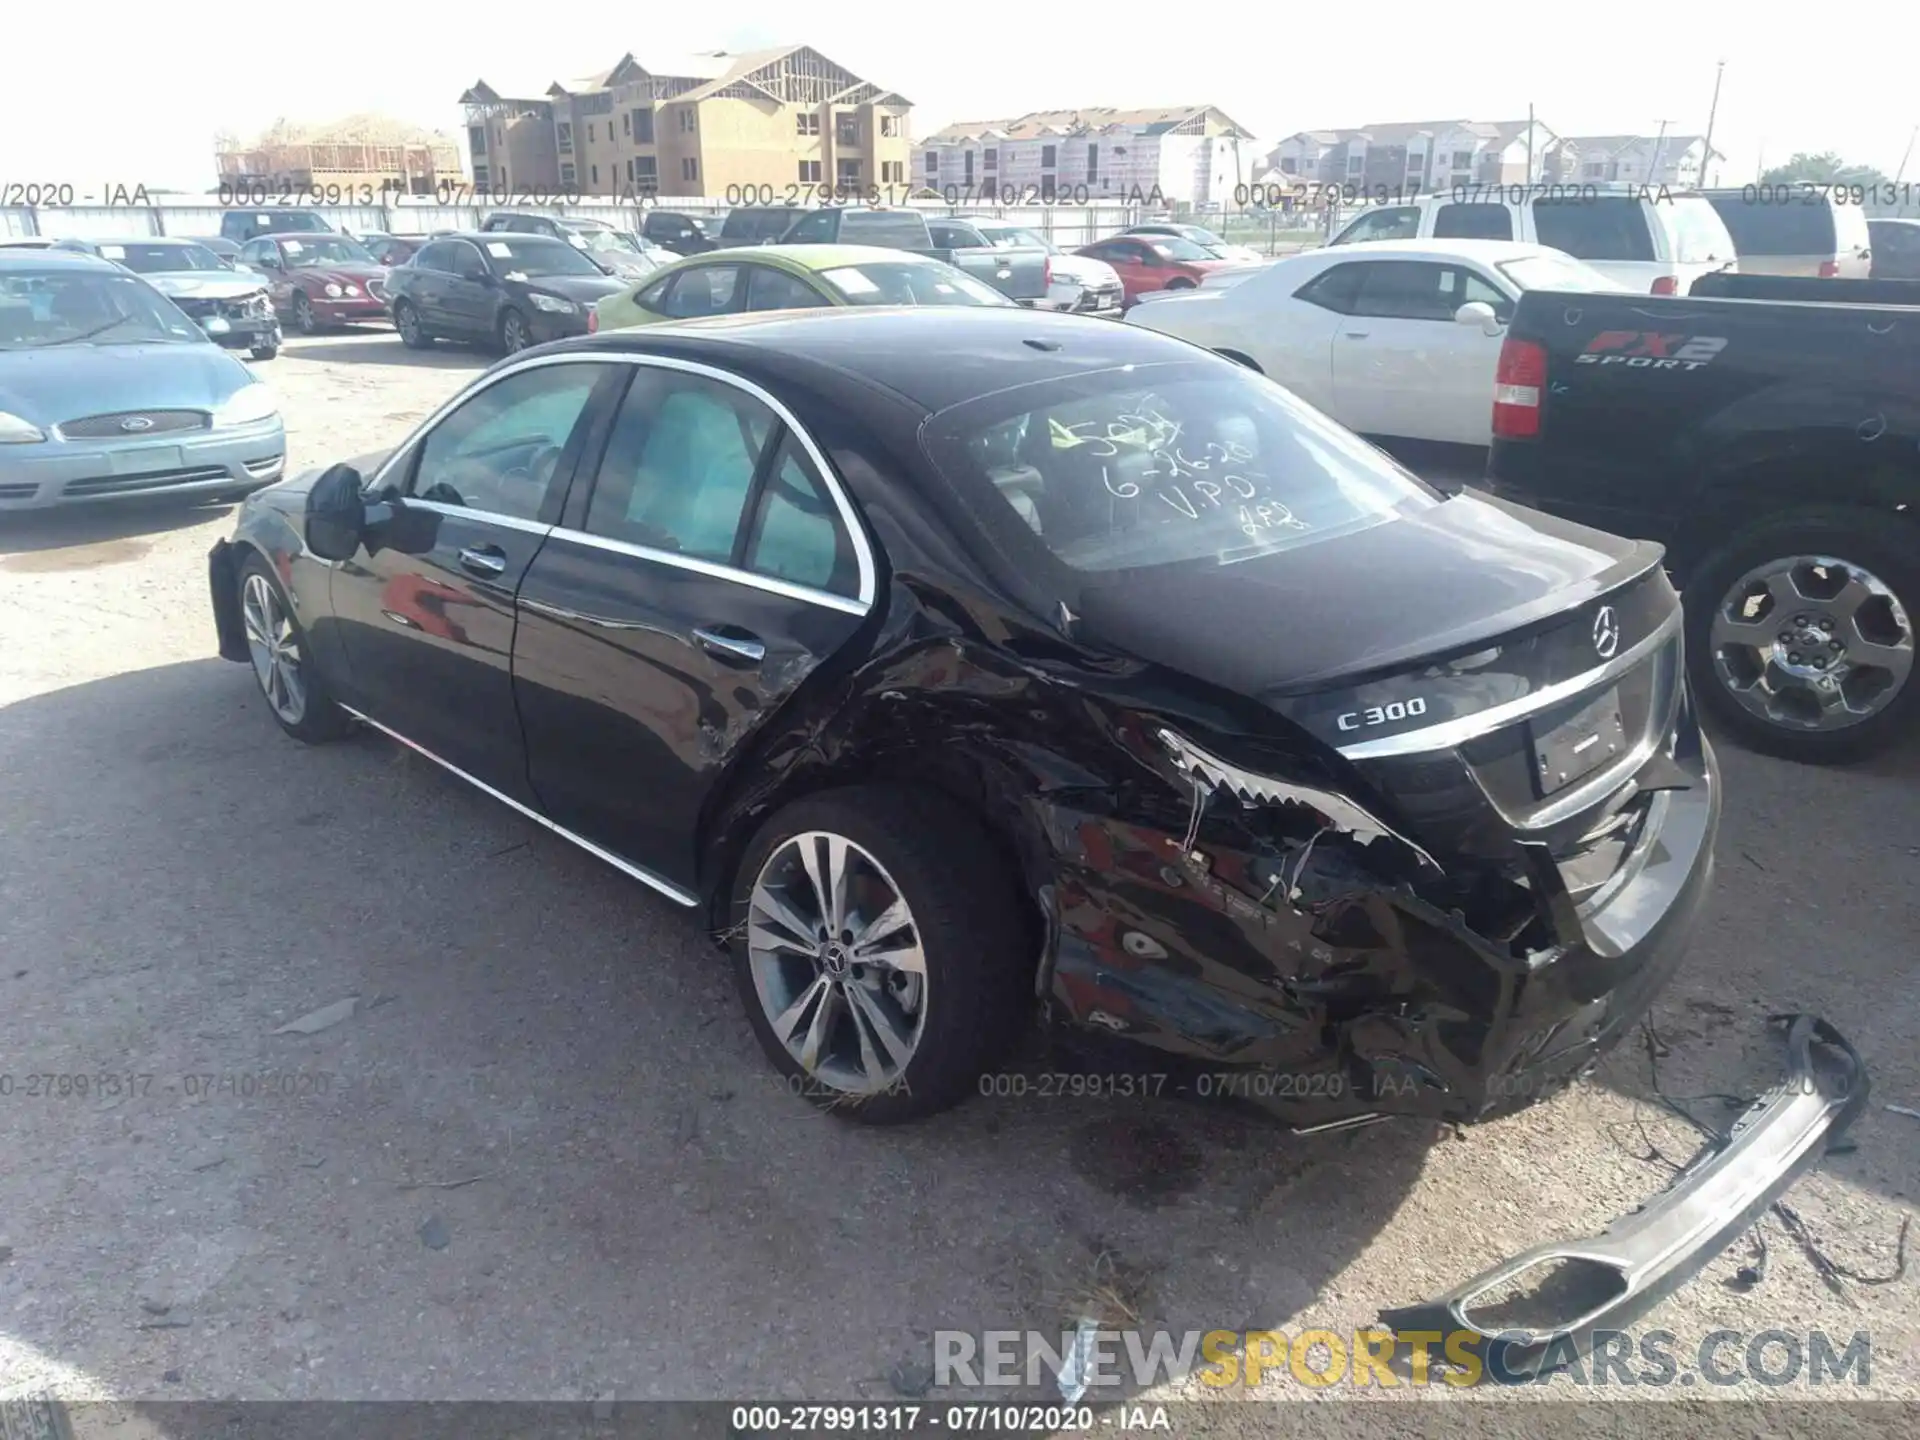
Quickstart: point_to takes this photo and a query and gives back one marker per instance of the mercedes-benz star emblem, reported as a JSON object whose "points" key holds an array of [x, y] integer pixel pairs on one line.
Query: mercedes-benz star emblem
{"points": [[136, 422], [1606, 632]]}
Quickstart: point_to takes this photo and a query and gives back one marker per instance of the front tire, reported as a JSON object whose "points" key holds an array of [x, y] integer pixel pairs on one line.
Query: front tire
{"points": [[1800, 634], [514, 336], [277, 646], [304, 319], [878, 946], [264, 352], [413, 334]]}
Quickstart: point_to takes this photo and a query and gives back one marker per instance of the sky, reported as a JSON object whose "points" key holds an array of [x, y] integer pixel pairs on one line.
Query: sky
{"points": [[1586, 70]]}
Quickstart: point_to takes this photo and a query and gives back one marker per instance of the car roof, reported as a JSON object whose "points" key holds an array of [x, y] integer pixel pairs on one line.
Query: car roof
{"points": [[23, 257], [482, 236], [1487, 252], [813, 258], [933, 356]]}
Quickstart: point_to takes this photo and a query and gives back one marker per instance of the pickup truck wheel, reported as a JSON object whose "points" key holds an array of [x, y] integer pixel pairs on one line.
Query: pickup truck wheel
{"points": [[878, 948], [1801, 635]]}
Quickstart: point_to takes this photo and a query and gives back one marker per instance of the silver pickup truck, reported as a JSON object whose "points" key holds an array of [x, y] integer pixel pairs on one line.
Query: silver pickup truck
{"points": [[1020, 274]]}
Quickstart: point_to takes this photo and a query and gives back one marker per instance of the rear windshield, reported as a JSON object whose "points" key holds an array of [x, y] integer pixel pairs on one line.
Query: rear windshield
{"points": [[1159, 465], [1172, 247], [534, 255], [1778, 220], [1554, 272], [895, 230], [1607, 227], [758, 223], [1697, 231], [299, 222]]}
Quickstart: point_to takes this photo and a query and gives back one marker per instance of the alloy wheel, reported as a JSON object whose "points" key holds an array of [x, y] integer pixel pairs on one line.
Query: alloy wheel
{"points": [[275, 649], [513, 332], [837, 963], [303, 314], [1812, 642], [409, 325]]}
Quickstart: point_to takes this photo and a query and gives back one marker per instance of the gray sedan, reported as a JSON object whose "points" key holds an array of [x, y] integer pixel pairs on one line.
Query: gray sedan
{"points": [[107, 389]]}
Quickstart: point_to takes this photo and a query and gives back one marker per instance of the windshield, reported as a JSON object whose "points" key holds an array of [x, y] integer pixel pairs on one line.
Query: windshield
{"points": [[1172, 247], [532, 255], [65, 307], [1202, 237], [157, 259], [1554, 272], [907, 282], [601, 241], [325, 250], [1164, 464]]}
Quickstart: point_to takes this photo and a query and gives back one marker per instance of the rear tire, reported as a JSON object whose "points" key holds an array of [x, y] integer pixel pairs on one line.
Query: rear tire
{"points": [[264, 352], [953, 996], [295, 694], [406, 320], [1823, 671]]}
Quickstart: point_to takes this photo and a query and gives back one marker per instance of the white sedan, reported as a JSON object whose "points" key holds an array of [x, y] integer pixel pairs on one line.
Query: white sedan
{"points": [[1400, 338]]}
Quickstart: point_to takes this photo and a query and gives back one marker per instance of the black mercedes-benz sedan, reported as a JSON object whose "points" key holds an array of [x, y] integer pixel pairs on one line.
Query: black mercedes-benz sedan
{"points": [[963, 665]]}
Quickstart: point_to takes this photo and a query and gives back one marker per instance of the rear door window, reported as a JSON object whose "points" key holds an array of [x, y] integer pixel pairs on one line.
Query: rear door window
{"points": [[1606, 227], [770, 289], [704, 290], [1410, 290], [895, 229], [1464, 221], [1337, 289]]}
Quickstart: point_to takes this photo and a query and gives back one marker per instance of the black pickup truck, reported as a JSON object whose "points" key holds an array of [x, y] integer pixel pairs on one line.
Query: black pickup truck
{"points": [[1019, 273], [1773, 445]]}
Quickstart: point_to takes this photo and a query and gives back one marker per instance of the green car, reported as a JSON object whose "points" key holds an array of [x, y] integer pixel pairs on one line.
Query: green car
{"points": [[790, 277]]}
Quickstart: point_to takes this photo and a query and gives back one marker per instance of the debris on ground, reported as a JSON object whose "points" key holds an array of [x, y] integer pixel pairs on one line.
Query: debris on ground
{"points": [[911, 1379], [1903, 1110], [314, 1021], [1078, 1360], [434, 1233]]}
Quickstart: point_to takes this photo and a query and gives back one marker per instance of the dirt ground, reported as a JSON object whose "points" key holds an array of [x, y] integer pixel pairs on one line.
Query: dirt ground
{"points": [[542, 1157]]}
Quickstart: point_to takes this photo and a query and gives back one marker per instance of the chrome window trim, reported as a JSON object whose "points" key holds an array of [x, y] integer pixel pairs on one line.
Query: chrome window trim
{"points": [[1452, 733], [490, 517], [862, 548], [771, 584], [644, 876]]}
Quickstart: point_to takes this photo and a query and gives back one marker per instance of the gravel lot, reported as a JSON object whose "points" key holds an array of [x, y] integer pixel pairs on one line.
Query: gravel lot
{"points": [[549, 1162]]}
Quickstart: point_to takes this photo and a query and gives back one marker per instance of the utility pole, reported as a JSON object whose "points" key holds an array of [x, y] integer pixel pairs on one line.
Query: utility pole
{"points": [[1530, 175], [1659, 144], [1713, 109], [1901, 172]]}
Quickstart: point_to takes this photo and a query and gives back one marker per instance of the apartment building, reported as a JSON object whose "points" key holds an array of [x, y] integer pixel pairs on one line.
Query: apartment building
{"points": [[363, 153], [1423, 154], [1192, 153], [700, 125], [1677, 162]]}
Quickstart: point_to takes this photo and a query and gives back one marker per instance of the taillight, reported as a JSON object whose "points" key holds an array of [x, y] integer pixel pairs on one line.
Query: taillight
{"points": [[1829, 269], [1517, 384], [1046, 272], [593, 322], [1666, 285]]}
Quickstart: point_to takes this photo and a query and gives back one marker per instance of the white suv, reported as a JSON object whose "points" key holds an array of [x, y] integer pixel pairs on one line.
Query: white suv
{"points": [[1647, 239]]}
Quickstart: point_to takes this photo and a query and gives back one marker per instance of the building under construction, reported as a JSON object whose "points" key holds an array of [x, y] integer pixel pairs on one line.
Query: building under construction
{"points": [[364, 153]]}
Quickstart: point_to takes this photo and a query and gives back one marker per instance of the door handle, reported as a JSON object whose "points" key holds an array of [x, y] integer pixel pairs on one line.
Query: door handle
{"points": [[483, 560], [1356, 334], [731, 647]]}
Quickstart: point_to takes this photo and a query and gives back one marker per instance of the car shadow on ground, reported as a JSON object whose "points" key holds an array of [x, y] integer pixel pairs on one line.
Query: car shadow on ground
{"points": [[540, 1154], [384, 347], [97, 534]]}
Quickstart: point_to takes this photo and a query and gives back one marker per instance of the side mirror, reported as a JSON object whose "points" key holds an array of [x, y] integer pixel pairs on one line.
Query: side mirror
{"points": [[1478, 312], [336, 514]]}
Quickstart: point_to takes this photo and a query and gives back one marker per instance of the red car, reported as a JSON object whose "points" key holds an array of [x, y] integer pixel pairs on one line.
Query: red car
{"points": [[1154, 262], [319, 280]]}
